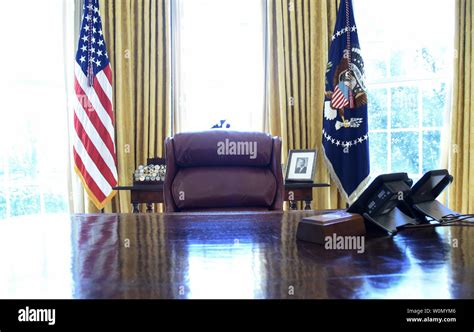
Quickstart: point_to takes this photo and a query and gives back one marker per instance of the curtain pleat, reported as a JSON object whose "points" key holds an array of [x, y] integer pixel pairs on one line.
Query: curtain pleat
{"points": [[299, 32], [461, 192]]}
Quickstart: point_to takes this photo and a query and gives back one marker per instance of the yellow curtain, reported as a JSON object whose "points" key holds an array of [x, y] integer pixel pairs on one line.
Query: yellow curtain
{"points": [[137, 36], [299, 33], [461, 192]]}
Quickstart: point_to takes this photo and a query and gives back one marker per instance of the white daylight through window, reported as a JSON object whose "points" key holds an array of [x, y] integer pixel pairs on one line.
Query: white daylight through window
{"points": [[407, 47], [218, 52]]}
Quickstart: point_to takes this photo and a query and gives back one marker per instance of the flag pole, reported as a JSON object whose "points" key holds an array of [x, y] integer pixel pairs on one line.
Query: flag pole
{"points": [[349, 50], [90, 66]]}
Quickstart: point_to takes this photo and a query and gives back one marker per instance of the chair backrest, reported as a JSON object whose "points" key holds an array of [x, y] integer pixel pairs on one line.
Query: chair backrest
{"points": [[223, 170]]}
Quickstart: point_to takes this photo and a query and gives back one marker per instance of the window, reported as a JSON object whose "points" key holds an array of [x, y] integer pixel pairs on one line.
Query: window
{"points": [[407, 49], [218, 48], [33, 125]]}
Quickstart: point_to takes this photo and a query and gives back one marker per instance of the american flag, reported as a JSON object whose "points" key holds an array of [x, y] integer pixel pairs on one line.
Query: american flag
{"points": [[340, 97], [94, 148]]}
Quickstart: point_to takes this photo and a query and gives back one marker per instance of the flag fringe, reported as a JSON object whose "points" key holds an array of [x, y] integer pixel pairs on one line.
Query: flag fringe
{"points": [[98, 204], [356, 193]]}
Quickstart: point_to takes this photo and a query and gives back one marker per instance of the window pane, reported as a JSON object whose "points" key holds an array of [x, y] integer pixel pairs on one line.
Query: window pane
{"points": [[434, 60], [378, 153], [418, 62], [405, 152], [2, 162], [377, 109], [55, 202], [3, 205], [403, 63], [374, 62], [434, 104], [25, 200], [431, 150], [23, 163], [404, 113]]}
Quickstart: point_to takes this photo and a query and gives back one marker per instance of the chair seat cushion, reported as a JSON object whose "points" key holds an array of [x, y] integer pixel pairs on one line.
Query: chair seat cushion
{"points": [[221, 187]]}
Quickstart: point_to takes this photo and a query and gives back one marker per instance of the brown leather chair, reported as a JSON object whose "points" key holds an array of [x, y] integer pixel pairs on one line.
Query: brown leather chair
{"points": [[223, 170]]}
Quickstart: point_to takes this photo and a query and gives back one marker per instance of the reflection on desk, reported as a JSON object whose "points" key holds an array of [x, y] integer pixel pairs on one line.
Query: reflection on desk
{"points": [[223, 255]]}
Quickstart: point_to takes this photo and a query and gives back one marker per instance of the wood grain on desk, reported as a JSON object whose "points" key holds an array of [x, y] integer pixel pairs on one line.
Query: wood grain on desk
{"points": [[223, 255]]}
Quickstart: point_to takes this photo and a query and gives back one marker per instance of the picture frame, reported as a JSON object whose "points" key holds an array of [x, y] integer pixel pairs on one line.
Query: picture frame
{"points": [[300, 165]]}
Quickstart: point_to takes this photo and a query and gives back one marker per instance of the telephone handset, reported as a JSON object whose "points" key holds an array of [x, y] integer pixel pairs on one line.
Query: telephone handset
{"points": [[421, 200], [390, 202]]}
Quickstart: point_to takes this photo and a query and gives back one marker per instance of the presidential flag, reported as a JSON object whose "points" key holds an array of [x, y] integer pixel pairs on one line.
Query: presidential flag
{"points": [[345, 137], [94, 147]]}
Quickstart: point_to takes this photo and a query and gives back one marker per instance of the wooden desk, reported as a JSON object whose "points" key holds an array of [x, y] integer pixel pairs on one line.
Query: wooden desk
{"points": [[150, 194], [223, 255]]}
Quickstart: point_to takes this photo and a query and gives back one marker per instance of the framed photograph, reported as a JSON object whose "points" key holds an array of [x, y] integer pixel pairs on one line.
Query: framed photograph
{"points": [[300, 165]]}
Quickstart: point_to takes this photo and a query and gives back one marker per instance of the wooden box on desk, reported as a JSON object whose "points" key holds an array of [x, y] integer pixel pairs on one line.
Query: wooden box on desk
{"points": [[316, 228]]}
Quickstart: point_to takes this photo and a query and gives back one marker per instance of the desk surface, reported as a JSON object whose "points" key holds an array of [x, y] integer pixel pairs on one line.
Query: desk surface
{"points": [[216, 255], [159, 186]]}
